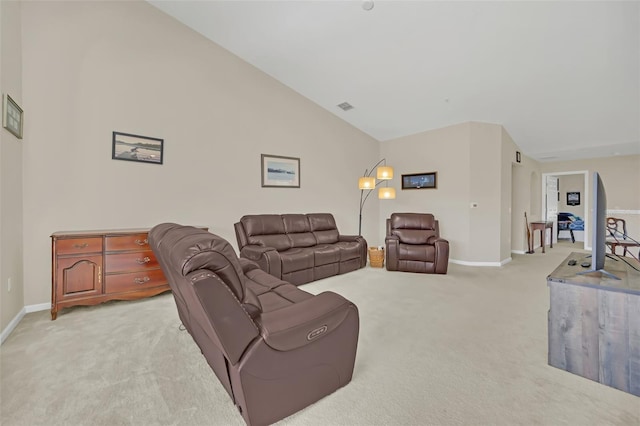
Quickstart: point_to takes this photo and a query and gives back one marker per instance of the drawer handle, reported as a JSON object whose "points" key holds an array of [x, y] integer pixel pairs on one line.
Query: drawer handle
{"points": [[81, 246], [144, 260], [141, 280], [142, 242]]}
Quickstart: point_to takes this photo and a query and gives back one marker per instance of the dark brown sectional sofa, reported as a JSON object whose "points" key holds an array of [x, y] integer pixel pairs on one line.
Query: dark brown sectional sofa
{"points": [[299, 248], [274, 347]]}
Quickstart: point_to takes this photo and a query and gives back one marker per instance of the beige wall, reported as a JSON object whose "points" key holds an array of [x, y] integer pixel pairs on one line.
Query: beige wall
{"points": [[92, 68], [507, 210], [473, 161], [571, 183], [447, 152], [11, 148], [620, 175]]}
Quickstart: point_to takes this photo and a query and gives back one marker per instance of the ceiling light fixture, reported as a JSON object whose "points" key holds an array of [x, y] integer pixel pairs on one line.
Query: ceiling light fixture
{"points": [[367, 5]]}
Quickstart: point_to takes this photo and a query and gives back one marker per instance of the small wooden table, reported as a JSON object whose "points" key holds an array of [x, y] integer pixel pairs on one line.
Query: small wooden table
{"points": [[542, 226]]}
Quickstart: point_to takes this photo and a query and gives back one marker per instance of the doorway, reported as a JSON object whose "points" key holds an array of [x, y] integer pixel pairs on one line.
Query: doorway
{"points": [[557, 202]]}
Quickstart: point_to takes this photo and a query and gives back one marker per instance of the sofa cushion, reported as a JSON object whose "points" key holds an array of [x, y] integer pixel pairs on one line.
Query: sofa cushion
{"points": [[325, 254], [324, 227], [298, 230], [413, 236], [296, 259], [273, 293], [348, 250], [266, 230], [416, 252], [413, 221]]}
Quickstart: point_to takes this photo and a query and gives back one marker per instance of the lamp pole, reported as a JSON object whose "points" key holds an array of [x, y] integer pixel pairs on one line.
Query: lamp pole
{"points": [[367, 173]]}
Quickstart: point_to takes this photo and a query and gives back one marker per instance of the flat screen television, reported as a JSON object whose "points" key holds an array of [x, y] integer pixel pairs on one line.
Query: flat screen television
{"points": [[599, 228]]}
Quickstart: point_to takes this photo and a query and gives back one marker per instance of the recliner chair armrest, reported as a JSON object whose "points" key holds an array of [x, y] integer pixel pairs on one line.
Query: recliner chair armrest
{"points": [[435, 239], [442, 254], [304, 322], [391, 242]]}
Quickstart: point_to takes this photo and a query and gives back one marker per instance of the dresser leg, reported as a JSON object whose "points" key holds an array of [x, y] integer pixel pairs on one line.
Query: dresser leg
{"points": [[54, 314]]}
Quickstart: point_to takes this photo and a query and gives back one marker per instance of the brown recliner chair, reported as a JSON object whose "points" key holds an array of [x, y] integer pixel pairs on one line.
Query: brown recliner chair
{"points": [[275, 348], [414, 245]]}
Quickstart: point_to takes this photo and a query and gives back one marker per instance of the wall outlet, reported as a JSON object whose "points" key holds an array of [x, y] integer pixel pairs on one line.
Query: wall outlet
{"points": [[9, 285]]}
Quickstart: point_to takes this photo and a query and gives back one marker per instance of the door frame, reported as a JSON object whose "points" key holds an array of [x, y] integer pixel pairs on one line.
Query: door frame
{"points": [[586, 198]]}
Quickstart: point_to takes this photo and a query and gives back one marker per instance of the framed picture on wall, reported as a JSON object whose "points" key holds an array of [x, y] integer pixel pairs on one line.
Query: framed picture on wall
{"points": [[12, 116], [573, 198], [144, 149], [420, 181], [280, 172]]}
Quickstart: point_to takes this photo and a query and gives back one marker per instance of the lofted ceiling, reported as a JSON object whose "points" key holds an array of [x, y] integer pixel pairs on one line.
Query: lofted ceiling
{"points": [[562, 77]]}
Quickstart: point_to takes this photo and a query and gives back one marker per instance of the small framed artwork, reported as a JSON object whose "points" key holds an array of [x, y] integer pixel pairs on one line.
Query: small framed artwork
{"points": [[420, 181], [12, 116], [280, 172], [143, 149], [573, 198]]}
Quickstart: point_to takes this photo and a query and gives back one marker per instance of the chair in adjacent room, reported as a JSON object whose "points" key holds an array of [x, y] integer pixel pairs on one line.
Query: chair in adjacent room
{"points": [[618, 236], [274, 347], [413, 244]]}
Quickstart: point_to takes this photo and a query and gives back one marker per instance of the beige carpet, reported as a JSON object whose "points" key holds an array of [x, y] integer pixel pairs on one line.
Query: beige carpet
{"points": [[468, 348]]}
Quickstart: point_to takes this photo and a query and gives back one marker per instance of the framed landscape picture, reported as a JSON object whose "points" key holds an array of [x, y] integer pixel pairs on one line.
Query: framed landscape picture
{"points": [[280, 172], [420, 181], [143, 149]]}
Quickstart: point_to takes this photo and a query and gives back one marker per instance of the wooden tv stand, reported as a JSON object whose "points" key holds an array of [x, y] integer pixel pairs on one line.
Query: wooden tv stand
{"points": [[91, 267], [594, 322]]}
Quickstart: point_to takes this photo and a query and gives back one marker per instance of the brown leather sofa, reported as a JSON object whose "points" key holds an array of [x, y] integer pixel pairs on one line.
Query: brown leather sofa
{"points": [[299, 248], [414, 245], [275, 348]]}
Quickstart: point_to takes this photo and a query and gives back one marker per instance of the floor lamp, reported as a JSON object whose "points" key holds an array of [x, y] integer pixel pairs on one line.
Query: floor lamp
{"points": [[368, 183]]}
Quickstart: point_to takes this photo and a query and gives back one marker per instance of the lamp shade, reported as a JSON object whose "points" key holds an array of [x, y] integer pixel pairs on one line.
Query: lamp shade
{"points": [[385, 172], [366, 183], [386, 193]]}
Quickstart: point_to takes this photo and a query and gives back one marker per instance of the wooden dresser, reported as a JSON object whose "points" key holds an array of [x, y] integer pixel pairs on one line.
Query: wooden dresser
{"points": [[91, 267]]}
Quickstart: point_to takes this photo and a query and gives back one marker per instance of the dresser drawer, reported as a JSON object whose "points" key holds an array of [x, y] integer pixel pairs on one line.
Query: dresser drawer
{"points": [[127, 242], [133, 261], [116, 283], [78, 245]]}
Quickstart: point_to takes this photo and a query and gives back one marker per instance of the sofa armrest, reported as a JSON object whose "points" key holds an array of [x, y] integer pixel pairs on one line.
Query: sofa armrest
{"points": [[351, 238], [363, 246], [267, 258], [247, 265], [304, 322]]}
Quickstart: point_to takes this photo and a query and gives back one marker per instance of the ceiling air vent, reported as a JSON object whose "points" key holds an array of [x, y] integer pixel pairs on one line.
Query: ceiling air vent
{"points": [[346, 106]]}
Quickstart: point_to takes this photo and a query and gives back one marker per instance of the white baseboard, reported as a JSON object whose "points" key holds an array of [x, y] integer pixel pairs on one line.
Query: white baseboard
{"points": [[16, 320], [466, 263], [37, 308]]}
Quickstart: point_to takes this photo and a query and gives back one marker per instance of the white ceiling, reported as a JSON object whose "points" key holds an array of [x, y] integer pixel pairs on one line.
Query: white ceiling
{"points": [[562, 77]]}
